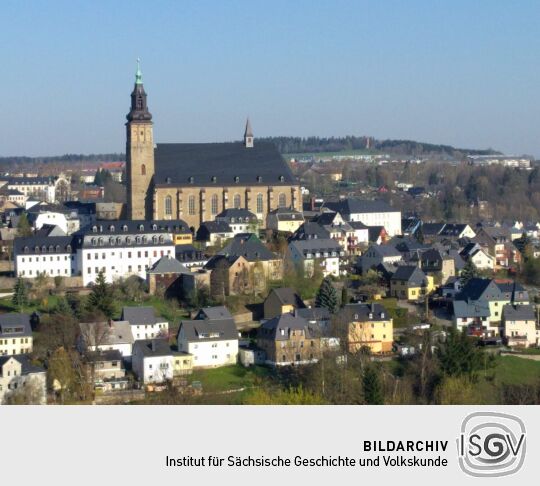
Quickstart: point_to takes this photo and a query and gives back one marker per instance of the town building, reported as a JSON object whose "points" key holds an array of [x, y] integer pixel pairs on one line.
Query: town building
{"points": [[282, 300], [371, 213], [144, 323], [288, 340], [323, 254], [367, 325], [15, 334], [211, 339], [284, 220], [106, 336], [410, 283], [19, 378], [154, 362], [520, 325], [106, 370]]}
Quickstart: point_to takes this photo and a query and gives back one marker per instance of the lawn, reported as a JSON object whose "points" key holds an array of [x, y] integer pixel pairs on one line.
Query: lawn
{"points": [[511, 369], [398, 314], [46, 305], [229, 377]]}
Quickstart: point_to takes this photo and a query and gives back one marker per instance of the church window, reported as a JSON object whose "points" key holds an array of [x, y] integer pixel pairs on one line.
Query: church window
{"points": [[139, 103], [259, 203], [168, 205], [191, 205], [282, 200], [237, 201], [214, 204], [143, 169]]}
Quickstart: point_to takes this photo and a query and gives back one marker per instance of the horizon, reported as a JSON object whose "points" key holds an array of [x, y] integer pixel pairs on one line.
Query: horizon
{"points": [[460, 75]]}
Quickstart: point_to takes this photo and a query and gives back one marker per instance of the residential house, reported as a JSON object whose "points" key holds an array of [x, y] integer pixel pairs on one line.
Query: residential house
{"points": [[486, 291], [310, 254], [107, 370], [144, 323], [106, 336], [154, 362], [481, 259], [15, 334], [211, 342], [282, 300], [377, 254], [289, 340], [214, 233], [284, 220], [166, 274], [240, 220], [367, 325], [520, 325], [410, 283], [474, 316], [439, 264], [262, 262], [19, 376]]}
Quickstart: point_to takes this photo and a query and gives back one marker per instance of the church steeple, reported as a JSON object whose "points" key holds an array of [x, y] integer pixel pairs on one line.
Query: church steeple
{"points": [[248, 135], [139, 108]]}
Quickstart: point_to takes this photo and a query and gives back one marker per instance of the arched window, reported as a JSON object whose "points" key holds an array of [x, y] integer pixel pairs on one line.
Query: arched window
{"points": [[143, 169], [214, 204], [168, 205], [237, 201], [191, 205], [260, 203], [282, 200]]}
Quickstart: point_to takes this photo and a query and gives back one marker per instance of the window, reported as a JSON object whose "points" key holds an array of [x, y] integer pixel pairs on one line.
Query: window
{"points": [[143, 169], [168, 205], [260, 203], [237, 201], [214, 204], [282, 200], [191, 205]]}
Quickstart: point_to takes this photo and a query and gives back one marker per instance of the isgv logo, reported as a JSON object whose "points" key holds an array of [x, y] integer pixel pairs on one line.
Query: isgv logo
{"points": [[491, 444]]}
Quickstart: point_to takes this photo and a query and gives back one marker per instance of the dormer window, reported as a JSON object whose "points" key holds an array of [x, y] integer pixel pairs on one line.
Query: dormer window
{"points": [[124, 228], [214, 179], [111, 228], [259, 178], [100, 242], [371, 315], [141, 227], [281, 178], [111, 241], [94, 229], [168, 180], [94, 242], [191, 180], [236, 179], [382, 315], [154, 227]]}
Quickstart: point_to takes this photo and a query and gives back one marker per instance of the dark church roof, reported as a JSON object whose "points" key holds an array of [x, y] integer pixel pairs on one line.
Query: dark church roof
{"points": [[209, 164]]}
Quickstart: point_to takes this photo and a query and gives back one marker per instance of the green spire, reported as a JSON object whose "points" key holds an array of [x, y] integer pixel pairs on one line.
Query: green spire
{"points": [[138, 74]]}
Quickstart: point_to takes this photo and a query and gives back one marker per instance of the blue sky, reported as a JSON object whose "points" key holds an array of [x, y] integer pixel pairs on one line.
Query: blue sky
{"points": [[465, 73]]}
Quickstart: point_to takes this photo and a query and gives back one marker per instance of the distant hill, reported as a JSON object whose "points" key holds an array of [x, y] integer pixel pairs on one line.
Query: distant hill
{"points": [[298, 145], [290, 145]]}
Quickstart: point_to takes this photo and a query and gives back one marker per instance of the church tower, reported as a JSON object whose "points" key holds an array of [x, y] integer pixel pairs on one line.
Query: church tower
{"points": [[248, 135], [139, 154]]}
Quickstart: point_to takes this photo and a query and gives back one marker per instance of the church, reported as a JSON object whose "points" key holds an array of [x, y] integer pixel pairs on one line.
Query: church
{"points": [[197, 181]]}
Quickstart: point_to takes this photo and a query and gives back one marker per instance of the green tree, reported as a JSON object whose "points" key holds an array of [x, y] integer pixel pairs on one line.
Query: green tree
{"points": [[458, 355], [327, 296], [23, 226], [101, 298], [468, 272], [373, 394], [20, 295]]}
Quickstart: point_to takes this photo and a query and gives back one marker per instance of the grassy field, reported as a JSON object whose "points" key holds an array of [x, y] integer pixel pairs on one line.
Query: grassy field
{"points": [[229, 377], [511, 369]]}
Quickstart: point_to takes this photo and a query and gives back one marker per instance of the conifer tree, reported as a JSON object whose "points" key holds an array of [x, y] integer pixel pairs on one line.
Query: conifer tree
{"points": [[468, 272], [327, 296], [101, 297], [20, 295], [372, 387]]}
